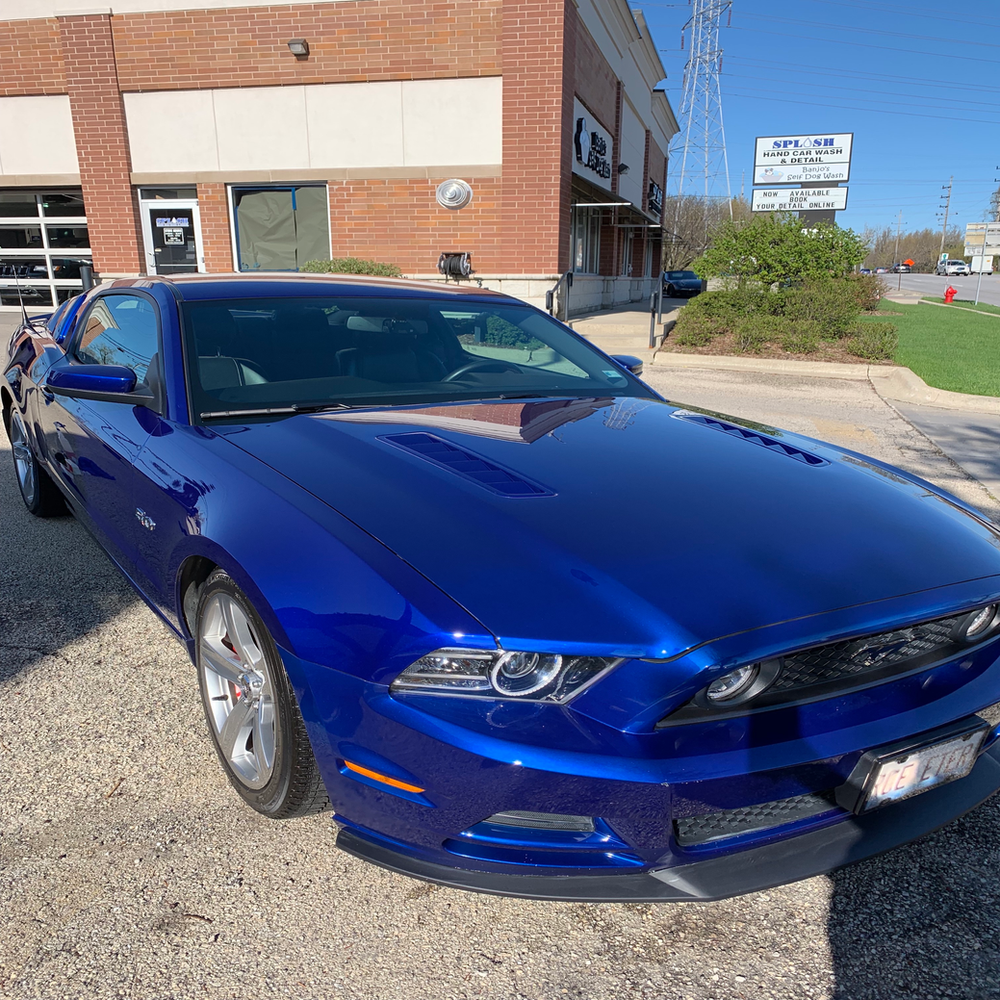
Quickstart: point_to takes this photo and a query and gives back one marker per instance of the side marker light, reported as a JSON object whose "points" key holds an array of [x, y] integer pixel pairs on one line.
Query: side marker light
{"points": [[384, 778]]}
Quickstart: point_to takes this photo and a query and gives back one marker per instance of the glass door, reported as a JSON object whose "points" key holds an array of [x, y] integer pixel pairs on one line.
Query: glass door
{"points": [[172, 234]]}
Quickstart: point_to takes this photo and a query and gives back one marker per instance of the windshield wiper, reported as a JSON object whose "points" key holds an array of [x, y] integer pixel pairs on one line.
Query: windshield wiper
{"points": [[277, 410]]}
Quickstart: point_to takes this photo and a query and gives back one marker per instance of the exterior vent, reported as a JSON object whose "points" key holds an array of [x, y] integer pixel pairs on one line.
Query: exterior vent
{"points": [[772, 444], [690, 831], [467, 464]]}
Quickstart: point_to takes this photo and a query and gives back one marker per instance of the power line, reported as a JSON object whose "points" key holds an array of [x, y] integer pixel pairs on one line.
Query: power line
{"points": [[866, 45], [869, 31], [876, 100], [910, 81], [841, 107]]}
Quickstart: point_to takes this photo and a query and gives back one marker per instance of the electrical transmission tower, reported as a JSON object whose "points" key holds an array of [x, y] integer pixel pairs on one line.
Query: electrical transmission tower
{"points": [[704, 166]]}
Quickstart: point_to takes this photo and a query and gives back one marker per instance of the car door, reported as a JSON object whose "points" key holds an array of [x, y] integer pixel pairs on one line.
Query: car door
{"points": [[93, 444]]}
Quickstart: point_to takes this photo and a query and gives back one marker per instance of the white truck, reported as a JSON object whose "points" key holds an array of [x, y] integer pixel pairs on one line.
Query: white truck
{"points": [[981, 265]]}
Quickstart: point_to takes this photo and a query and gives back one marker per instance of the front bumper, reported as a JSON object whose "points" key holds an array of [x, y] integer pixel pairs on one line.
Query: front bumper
{"points": [[789, 860]]}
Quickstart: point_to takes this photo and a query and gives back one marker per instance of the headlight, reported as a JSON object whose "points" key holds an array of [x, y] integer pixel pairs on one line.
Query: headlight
{"points": [[520, 676]]}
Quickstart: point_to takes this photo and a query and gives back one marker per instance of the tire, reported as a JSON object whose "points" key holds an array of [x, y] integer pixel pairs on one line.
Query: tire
{"points": [[252, 714], [40, 495], [671, 292]]}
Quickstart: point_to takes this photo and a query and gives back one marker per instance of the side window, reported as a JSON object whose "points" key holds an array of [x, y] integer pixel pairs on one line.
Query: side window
{"points": [[120, 330]]}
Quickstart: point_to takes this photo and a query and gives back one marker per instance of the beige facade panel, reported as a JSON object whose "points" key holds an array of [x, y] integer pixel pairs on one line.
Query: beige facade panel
{"points": [[633, 152], [453, 121], [323, 127], [36, 136]]}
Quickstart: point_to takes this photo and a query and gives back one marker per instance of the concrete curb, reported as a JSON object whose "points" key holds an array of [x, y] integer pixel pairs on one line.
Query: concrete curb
{"points": [[889, 381]]}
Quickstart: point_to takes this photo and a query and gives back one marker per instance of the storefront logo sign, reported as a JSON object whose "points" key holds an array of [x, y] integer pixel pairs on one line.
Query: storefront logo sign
{"points": [[173, 223], [592, 149], [655, 198]]}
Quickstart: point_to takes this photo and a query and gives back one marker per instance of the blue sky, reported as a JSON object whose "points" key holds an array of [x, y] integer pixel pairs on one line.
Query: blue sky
{"points": [[918, 84]]}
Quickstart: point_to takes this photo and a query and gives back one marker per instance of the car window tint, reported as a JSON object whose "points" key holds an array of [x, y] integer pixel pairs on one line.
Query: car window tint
{"points": [[120, 330], [375, 350]]}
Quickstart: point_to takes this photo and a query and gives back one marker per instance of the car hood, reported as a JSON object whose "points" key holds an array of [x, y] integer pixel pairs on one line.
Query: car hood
{"points": [[626, 524]]}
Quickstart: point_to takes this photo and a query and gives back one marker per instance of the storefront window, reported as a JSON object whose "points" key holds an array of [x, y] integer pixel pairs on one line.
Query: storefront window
{"points": [[43, 244], [280, 228], [587, 240]]}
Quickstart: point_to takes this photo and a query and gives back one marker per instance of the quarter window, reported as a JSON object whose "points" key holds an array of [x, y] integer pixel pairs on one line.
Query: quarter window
{"points": [[120, 330]]}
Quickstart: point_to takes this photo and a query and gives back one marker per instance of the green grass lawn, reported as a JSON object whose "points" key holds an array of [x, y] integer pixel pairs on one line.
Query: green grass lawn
{"points": [[948, 349], [968, 304]]}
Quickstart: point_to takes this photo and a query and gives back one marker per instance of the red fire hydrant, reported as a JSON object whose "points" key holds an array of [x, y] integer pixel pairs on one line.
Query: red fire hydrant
{"points": [[949, 294]]}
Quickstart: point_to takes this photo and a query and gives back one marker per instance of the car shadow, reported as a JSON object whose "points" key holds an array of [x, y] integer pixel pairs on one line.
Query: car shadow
{"points": [[922, 921], [57, 583]]}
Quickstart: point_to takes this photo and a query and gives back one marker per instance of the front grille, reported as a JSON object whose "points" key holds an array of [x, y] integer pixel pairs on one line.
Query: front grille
{"points": [[838, 667], [861, 656], [692, 830]]}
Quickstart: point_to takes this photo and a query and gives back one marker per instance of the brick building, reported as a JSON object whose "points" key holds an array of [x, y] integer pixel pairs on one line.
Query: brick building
{"points": [[171, 135]]}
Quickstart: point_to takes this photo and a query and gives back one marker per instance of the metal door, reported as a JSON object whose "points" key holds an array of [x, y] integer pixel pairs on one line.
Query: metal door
{"points": [[172, 234]]}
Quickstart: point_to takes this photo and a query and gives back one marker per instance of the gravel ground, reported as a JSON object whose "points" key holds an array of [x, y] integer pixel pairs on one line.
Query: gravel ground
{"points": [[128, 868]]}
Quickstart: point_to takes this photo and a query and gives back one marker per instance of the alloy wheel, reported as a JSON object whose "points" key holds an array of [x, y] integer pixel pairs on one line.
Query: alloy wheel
{"points": [[239, 690], [24, 461]]}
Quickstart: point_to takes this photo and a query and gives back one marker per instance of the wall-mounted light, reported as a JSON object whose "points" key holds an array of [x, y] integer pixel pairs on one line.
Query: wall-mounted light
{"points": [[623, 168], [299, 48]]}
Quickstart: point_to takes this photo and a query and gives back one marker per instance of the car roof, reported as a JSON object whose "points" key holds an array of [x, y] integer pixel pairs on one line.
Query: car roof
{"points": [[192, 287]]}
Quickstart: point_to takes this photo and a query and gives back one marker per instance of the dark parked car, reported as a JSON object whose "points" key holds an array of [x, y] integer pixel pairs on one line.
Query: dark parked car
{"points": [[681, 284], [395, 525]]}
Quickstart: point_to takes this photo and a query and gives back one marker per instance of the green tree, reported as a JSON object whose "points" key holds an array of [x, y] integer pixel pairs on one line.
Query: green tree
{"points": [[774, 248]]}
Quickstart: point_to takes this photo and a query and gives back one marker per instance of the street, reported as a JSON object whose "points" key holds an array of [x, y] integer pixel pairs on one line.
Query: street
{"points": [[934, 284], [129, 867]]}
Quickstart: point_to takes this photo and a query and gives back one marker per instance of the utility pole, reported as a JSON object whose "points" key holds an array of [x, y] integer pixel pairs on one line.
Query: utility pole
{"points": [[704, 164], [947, 206], [895, 252]]}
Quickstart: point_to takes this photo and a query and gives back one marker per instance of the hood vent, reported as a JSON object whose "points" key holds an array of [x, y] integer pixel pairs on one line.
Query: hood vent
{"points": [[772, 444], [467, 464]]}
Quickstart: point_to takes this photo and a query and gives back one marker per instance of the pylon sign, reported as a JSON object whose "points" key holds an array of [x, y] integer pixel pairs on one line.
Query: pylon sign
{"points": [[816, 158], [799, 199]]}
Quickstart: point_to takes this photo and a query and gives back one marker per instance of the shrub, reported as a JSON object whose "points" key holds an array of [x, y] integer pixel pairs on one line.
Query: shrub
{"points": [[752, 334], [695, 331], [352, 265], [829, 303], [867, 290], [801, 337], [873, 341]]}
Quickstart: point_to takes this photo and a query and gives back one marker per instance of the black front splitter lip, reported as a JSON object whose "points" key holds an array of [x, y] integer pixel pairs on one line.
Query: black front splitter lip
{"points": [[752, 870]]}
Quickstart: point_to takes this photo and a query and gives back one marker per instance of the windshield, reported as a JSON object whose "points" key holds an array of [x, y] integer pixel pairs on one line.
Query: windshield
{"points": [[268, 354], [680, 275]]}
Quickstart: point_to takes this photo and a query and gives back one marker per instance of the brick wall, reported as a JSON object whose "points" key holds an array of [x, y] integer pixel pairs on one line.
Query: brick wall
{"points": [[350, 41], [217, 244], [31, 58], [399, 222], [594, 81], [101, 143], [538, 61]]}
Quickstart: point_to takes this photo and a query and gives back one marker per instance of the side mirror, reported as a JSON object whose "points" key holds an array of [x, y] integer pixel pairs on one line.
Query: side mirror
{"points": [[105, 383], [628, 362]]}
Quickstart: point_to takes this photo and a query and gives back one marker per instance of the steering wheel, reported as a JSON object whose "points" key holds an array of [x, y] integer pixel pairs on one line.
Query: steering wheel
{"points": [[485, 363]]}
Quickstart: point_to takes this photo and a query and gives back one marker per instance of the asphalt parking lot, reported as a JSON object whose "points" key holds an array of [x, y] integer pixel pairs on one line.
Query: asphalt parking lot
{"points": [[128, 868]]}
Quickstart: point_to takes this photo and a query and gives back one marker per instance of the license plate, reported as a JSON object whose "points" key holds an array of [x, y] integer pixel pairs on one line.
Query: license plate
{"points": [[901, 776]]}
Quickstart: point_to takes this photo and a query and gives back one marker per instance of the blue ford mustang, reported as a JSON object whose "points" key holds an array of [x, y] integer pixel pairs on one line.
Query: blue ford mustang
{"points": [[528, 628]]}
